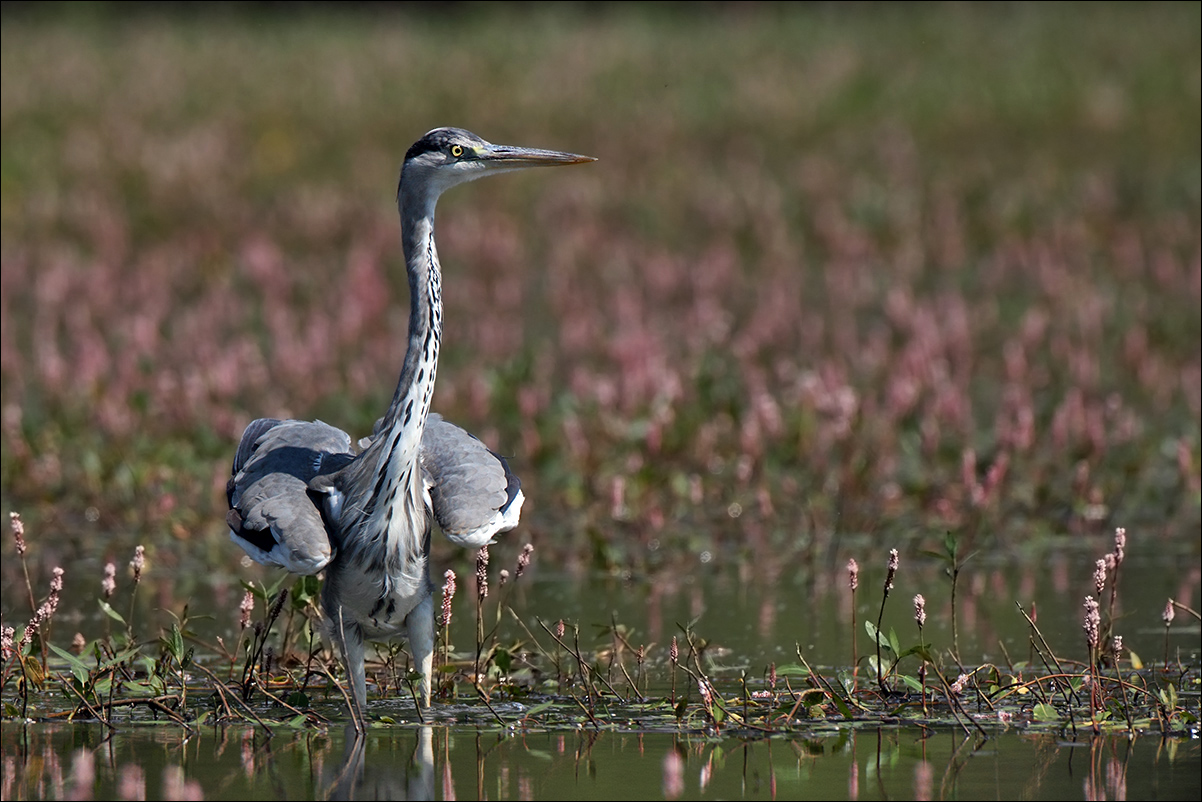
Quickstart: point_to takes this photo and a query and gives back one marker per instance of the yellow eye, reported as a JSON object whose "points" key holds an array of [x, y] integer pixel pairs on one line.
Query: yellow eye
{"points": [[456, 151]]}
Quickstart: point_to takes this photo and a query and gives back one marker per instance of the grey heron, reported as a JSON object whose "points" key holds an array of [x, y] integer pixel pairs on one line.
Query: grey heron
{"points": [[303, 498]]}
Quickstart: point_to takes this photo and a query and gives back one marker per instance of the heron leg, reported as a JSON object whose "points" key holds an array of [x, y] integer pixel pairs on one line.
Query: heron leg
{"points": [[349, 638], [420, 626]]}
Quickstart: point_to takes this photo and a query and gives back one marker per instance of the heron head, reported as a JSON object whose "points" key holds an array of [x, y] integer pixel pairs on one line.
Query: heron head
{"points": [[445, 157]]}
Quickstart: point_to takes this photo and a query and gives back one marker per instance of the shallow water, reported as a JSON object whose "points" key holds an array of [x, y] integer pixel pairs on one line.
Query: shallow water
{"points": [[748, 619], [61, 761]]}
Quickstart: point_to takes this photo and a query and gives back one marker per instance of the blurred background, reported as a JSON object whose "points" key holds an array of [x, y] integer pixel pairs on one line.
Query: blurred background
{"points": [[844, 276]]}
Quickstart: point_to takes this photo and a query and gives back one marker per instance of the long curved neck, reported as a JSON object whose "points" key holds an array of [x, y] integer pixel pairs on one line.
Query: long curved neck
{"points": [[411, 400], [389, 478]]}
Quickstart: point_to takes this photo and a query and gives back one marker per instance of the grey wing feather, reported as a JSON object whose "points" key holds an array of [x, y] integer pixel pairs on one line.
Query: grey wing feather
{"points": [[272, 515], [473, 494]]}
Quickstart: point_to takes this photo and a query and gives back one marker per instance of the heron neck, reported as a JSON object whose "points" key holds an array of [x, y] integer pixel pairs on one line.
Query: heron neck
{"points": [[410, 405], [389, 467]]}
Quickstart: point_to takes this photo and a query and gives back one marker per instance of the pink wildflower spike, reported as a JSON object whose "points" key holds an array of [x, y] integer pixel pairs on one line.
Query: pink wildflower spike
{"points": [[18, 531], [138, 563], [448, 593], [108, 585], [891, 571], [245, 609], [524, 560], [1092, 622], [482, 572], [56, 588], [853, 574]]}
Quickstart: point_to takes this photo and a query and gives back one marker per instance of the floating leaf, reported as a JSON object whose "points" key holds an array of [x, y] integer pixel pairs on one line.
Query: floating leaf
{"points": [[534, 711], [1045, 712]]}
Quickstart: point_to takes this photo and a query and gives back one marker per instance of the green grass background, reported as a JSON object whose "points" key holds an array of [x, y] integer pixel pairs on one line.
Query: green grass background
{"points": [[840, 272]]}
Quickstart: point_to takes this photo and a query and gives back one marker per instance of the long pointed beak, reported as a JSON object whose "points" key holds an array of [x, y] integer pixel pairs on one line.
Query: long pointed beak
{"points": [[511, 157]]}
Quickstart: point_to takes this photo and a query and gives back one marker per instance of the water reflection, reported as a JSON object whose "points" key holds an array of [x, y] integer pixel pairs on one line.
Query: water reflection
{"points": [[754, 619], [384, 779], [63, 761]]}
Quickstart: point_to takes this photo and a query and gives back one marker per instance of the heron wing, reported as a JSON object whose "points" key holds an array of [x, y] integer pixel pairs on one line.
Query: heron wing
{"points": [[272, 515], [473, 494]]}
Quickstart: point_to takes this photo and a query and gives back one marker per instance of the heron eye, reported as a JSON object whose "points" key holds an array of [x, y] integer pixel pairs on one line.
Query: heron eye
{"points": [[456, 151]]}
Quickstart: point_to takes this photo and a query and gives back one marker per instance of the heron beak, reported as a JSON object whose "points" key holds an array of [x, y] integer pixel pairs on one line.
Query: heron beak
{"points": [[509, 157]]}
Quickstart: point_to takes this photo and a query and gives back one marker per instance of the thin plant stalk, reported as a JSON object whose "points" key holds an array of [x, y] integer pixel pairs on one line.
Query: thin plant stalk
{"points": [[1117, 652], [18, 530], [920, 618], [1091, 625], [1167, 616], [890, 573], [853, 582], [481, 595]]}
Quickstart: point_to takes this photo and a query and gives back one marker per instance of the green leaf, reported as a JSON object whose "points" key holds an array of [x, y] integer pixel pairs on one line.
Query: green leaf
{"points": [[1045, 712], [117, 659], [81, 670], [138, 688], [538, 708], [173, 643], [894, 644], [949, 545], [111, 613], [504, 660], [872, 666], [876, 635], [305, 591], [842, 706]]}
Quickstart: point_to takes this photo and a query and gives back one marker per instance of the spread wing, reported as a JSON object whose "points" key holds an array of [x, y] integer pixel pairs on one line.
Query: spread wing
{"points": [[473, 494], [272, 515]]}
